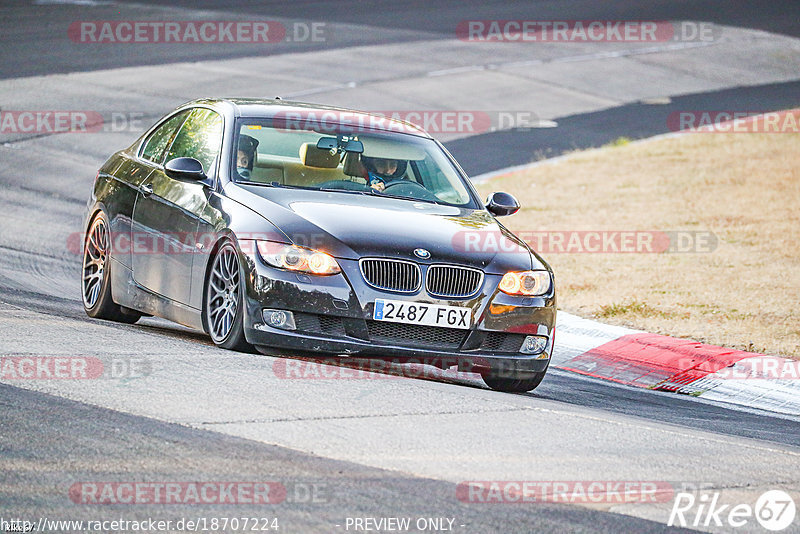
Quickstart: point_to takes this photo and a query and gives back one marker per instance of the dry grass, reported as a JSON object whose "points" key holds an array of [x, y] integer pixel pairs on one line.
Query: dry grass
{"points": [[745, 188]]}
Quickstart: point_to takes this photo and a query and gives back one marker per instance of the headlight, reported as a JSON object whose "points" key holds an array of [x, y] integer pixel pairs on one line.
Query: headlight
{"points": [[293, 258], [527, 283]]}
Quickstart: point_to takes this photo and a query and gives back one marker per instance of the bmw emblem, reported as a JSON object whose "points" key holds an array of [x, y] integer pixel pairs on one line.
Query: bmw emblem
{"points": [[421, 253]]}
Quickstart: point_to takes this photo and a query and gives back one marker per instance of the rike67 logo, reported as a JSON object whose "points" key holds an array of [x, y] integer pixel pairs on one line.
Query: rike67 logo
{"points": [[774, 510]]}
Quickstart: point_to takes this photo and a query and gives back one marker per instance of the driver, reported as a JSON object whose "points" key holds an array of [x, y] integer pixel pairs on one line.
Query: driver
{"points": [[246, 155], [382, 171]]}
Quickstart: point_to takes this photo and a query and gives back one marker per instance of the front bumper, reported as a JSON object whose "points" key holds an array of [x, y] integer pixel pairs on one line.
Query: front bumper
{"points": [[334, 316]]}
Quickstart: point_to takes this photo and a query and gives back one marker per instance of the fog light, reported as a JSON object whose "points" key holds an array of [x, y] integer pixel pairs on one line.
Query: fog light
{"points": [[533, 345], [279, 319]]}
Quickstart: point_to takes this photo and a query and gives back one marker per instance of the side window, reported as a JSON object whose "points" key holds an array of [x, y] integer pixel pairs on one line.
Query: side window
{"points": [[200, 137], [160, 139]]}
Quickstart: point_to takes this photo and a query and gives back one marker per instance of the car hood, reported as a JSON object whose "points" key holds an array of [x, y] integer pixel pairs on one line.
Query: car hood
{"points": [[353, 226]]}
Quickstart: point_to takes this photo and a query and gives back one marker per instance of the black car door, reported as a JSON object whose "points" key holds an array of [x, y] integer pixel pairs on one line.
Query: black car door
{"points": [[167, 211]]}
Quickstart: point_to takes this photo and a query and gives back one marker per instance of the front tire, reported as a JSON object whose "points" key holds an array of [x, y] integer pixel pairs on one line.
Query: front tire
{"points": [[512, 384], [224, 302], [96, 276]]}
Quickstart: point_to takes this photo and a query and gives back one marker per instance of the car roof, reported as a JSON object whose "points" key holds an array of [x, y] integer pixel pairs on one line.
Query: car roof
{"points": [[271, 108]]}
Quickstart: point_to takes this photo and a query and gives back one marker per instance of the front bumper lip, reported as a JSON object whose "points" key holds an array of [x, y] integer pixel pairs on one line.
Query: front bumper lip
{"points": [[266, 337]]}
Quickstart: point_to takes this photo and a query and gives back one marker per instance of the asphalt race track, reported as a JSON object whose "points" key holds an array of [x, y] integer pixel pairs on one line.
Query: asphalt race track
{"points": [[380, 446]]}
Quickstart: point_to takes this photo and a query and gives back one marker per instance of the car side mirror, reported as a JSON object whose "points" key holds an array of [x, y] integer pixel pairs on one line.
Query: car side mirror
{"points": [[501, 204], [185, 169]]}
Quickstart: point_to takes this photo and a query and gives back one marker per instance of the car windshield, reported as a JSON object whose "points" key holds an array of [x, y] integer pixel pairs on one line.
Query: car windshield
{"points": [[373, 163]]}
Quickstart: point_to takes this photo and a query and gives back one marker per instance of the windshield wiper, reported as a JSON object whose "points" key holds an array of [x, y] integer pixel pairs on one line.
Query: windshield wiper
{"points": [[337, 190], [265, 184], [373, 192]]}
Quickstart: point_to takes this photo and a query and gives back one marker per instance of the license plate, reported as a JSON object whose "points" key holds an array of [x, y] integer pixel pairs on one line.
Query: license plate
{"points": [[398, 311]]}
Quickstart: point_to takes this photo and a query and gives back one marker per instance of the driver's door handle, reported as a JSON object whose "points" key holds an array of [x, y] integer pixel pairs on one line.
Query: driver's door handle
{"points": [[146, 189]]}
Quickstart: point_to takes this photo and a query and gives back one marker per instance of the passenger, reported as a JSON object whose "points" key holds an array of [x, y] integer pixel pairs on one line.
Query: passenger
{"points": [[246, 155], [382, 171]]}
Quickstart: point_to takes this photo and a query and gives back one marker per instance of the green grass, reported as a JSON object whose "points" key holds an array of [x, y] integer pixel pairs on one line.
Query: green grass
{"points": [[619, 141]]}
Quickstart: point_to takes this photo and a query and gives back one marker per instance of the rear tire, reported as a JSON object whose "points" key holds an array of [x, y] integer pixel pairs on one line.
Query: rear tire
{"points": [[96, 276], [223, 311]]}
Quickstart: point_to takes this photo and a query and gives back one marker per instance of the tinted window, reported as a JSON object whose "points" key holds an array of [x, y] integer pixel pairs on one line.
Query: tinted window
{"points": [[200, 138], [160, 139]]}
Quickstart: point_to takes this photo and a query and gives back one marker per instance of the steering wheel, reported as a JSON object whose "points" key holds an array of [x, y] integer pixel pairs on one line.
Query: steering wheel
{"points": [[341, 184], [407, 188]]}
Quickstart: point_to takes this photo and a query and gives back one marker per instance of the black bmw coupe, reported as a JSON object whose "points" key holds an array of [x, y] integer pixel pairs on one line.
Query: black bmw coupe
{"points": [[296, 228]]}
